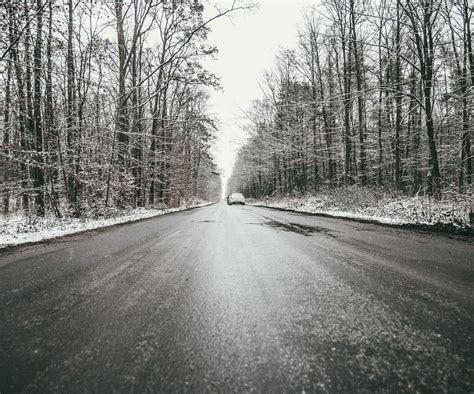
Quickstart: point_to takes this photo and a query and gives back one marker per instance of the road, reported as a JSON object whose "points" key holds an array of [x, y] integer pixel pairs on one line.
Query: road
{"points": [[223, 299]]}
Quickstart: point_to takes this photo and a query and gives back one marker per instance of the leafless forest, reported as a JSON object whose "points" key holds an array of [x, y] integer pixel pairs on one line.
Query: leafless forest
{"points": [[104, 105], [378, 94]]}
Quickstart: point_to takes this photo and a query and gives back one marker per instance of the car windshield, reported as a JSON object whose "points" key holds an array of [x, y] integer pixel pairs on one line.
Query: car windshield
{"points": [[236, 195]]}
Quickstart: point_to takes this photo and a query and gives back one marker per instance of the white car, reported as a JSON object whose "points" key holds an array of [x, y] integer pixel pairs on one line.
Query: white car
{"points": [[235, 198]]}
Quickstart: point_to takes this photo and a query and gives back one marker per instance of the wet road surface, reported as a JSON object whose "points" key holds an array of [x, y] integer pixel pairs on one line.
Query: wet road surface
{"points": [[223, 299]]}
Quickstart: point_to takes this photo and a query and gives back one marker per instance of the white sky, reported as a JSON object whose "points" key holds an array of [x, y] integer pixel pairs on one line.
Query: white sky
{"points": [[248, 42]]}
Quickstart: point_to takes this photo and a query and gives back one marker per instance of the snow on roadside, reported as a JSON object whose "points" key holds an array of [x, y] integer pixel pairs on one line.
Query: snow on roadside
{"points": [[18, 229], [357, 203]]}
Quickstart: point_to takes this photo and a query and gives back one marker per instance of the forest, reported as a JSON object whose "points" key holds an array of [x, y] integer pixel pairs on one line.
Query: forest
{"points": [[103, 104], [378, 94]]}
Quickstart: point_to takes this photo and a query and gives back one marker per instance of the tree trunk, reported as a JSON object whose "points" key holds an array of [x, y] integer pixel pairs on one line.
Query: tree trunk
{"points": [[38, 171], [122, 118], [358, 60], [398, 98]]}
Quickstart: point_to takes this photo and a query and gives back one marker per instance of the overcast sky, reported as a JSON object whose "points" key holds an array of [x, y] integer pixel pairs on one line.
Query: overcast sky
{"points": [[248, 42]]}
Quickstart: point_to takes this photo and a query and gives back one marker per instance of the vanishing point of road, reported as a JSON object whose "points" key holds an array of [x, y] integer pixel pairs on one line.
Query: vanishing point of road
{"points": [[239, 298]]}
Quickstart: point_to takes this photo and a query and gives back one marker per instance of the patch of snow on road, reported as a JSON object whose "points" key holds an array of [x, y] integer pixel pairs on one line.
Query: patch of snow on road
{"points": [[365, 204], [19, 229]]}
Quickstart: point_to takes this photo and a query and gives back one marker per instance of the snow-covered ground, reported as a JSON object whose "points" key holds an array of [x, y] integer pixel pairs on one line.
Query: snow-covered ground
{"points": [[359, 203], [18, 229]]}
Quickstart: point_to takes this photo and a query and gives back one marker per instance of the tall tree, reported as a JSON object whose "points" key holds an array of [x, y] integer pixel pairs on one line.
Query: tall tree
{"points": [[38, 169]]}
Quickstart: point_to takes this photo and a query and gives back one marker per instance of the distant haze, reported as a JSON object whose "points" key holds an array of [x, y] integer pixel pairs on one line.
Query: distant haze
{"points": [[248, 42]]}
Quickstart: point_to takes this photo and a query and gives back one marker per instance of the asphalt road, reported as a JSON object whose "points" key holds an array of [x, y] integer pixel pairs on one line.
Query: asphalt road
{"points": [[223, 299]]}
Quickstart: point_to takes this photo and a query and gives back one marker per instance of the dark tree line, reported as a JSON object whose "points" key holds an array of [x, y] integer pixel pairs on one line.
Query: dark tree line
{"points": [[379, 92], [104, 104]]}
